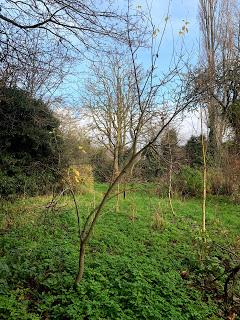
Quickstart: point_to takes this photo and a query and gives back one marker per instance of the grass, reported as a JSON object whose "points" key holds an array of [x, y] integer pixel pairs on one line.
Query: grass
{"points": [[135, 260]]}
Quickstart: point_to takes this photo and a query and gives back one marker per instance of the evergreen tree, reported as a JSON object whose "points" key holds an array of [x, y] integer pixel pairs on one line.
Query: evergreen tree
{"points": [[30, 144], [194, 151]]}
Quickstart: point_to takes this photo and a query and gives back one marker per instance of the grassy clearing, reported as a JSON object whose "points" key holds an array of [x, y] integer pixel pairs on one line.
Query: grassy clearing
{"points": [[134, 261]]}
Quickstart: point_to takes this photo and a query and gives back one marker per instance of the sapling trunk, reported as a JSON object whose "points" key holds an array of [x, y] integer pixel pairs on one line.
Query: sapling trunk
{"points": [[137, 150], [81, 262], [118, 197], [170, 178], [204, 195], [94, 215]]}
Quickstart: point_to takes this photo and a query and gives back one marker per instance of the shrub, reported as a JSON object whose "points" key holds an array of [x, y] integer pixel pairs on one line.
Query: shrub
{"points": [[188, 181], [102, 165], [163, 186], [226, 180], [30, 144], [80, 178], [33, 183], [220, 184]]}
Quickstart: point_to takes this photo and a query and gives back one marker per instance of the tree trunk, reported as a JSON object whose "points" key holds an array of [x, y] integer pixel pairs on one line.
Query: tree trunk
{"points": [[204, 199], [215, 134], [204, 178], [170, 177], [81, 262]]}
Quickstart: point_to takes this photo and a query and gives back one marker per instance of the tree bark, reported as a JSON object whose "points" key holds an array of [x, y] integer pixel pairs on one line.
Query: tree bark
{"points": [[204, 178], [81, 262]]}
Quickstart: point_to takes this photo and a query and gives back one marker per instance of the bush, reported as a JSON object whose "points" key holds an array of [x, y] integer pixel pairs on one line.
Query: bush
{"points": [[30, 144], [188, 181], [220, 184], [163, 186], [102, 165], [21, 183], [80, 178]]}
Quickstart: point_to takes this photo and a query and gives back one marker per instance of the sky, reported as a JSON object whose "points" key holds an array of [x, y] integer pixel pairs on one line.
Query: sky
{"points": [[180, 11]]}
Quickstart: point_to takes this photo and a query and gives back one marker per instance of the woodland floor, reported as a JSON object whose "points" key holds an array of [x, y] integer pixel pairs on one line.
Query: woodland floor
{"points": [[141, 263]]}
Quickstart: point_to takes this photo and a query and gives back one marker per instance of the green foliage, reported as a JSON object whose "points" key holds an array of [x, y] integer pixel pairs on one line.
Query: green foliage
{"points": [[188, 181], [132, 270], [29, 144], [150, 167], [194, 151]]}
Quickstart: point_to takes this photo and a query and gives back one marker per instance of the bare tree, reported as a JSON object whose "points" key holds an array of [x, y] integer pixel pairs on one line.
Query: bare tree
{"points": [[170, 174], [83, 19], [209, 25], [110, 102], [79, 26], [37, 65], [39, 40], [147, 91], [219, 20], [204, 191]]}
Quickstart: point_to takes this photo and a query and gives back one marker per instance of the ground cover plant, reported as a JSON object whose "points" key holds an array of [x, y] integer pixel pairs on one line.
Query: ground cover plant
{"points": [[141, 263], [119, 159]]}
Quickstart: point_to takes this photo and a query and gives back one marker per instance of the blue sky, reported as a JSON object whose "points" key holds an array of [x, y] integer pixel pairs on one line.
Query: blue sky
{"points": [[180, 11]]}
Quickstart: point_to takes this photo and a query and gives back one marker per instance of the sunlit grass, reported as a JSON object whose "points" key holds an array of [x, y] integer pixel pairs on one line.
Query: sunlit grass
{"points": [[133, 261]]}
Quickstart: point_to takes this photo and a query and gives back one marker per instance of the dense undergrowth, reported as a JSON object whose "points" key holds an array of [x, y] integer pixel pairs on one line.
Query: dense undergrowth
{"points": [[141, 263]]}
